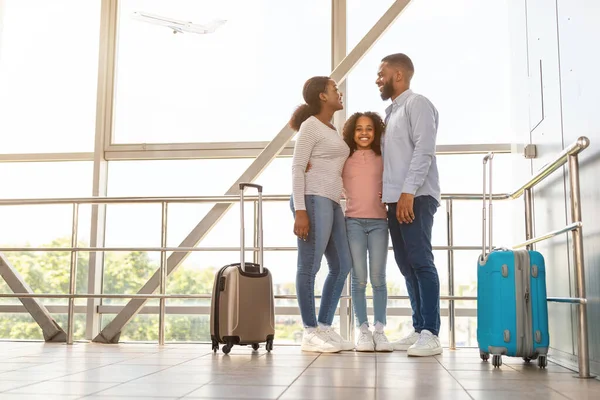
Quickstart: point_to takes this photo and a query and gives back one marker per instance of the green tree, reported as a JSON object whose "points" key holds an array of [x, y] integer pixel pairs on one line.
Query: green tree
{"points": [[48, 272]]}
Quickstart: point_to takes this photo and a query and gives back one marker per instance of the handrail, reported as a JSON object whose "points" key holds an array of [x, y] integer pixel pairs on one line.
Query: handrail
{"points": [[568, 154], [575, 148], [549, 235], [191, 199]]}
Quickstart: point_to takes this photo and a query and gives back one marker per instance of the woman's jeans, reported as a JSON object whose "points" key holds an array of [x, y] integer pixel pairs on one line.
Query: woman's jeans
{"points": [[326, 236], [368, 238]]}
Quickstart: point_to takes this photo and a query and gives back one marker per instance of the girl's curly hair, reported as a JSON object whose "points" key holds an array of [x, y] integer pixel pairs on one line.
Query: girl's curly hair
{"points": [[350, 127]]}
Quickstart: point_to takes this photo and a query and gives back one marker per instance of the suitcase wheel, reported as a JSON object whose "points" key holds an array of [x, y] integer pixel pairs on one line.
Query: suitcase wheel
{"points": [[215, 345], [269, 345], [255, 346], [542, 362], [227, 348], [527, 359], [484, 356], [496, 360]]}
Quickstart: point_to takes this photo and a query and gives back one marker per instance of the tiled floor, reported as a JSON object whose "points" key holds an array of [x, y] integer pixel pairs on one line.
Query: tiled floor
{"points": [[129, 371]]}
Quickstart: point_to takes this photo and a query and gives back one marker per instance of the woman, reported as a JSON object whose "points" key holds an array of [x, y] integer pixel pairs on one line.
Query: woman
{"points": [[366, 223], [319, 220]]}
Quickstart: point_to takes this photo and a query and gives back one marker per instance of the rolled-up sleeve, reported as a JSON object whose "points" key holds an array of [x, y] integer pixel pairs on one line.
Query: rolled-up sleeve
{"points": [[423, 119]]}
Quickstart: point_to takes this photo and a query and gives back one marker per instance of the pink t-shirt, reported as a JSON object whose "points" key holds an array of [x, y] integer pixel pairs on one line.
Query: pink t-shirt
{"points": [[363, 181]]}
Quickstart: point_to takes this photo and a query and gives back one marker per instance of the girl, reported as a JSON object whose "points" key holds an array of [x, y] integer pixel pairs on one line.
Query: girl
{"points": [[366, 225], [319, 220]]}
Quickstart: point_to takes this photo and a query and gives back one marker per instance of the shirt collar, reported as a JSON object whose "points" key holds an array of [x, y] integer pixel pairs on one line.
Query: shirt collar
{"points": [[400, 100]]}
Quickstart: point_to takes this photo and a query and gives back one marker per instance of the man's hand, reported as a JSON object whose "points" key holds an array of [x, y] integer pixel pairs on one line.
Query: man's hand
{"points": [[404, 208], [301, 224], [308, 166]]}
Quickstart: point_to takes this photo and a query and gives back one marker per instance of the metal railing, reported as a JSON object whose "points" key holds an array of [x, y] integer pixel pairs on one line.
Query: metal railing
{"points": [[569, 154]]}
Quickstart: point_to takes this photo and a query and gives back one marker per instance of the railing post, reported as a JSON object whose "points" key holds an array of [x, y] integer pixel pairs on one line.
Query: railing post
{"points": [[528, 196], [163, 274], [582, 339], [72, 275], [451, 305]]}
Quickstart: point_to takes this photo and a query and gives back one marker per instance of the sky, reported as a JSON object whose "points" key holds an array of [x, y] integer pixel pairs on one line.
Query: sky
{"points": [[239, 84]]}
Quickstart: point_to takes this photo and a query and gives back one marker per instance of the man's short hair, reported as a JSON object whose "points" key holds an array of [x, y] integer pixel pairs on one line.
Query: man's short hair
{"points": [[401, 61]]}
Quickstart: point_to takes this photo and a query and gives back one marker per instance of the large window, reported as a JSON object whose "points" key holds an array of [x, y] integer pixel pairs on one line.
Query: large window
{"points": [[48, 75], [240, 83], [43, 226], [460, 50]]}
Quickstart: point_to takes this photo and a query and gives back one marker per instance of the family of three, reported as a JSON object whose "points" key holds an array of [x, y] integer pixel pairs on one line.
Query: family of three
{"points": [[387, 174]]}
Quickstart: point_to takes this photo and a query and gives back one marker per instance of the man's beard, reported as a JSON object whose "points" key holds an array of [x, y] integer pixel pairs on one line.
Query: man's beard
{"points": [[387, 90]]}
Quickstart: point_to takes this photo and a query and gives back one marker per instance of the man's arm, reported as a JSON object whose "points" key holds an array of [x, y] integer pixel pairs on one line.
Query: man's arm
{"points": [[424, 132]]}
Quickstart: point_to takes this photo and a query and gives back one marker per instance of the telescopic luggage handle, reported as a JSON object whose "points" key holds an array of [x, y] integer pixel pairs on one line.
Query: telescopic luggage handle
{"points": [[487, 216], [259, 188]]}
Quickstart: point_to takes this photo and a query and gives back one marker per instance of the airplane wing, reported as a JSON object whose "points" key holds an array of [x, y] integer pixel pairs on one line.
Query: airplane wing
{"points": [[178, 25]]}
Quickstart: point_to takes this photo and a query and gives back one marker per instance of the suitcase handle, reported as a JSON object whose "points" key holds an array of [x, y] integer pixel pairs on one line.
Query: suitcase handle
{"points": [[487, 216], [259, 188], [254, 185]]}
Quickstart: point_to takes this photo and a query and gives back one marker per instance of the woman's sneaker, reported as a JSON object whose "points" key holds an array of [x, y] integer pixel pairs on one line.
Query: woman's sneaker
{"points": [[365, 341], [344, 345], [318, 342], [381, 342], [404, 343]]}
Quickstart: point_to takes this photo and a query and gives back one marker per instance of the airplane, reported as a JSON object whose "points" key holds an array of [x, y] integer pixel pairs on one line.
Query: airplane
{"points": [[178, 25]]}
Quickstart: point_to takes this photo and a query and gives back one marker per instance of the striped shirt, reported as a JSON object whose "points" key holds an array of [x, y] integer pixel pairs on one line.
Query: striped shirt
{"points": [[327, 153]]}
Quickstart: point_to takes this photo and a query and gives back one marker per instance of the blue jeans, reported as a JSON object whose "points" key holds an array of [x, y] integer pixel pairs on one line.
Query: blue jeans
{"points": [[414, 256], [367, 235], [326, 236]]}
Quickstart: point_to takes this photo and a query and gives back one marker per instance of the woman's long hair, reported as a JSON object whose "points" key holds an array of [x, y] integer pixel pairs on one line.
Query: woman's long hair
{"points": [[312, 106], [350, 128]]}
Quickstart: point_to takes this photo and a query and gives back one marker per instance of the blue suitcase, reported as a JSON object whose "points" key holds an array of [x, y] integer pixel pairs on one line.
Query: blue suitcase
{"points": [[512, 310]]}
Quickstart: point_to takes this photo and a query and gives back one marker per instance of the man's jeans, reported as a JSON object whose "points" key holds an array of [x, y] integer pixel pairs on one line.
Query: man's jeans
{"points": [[326, 236], [414, 256], [368, 236]]}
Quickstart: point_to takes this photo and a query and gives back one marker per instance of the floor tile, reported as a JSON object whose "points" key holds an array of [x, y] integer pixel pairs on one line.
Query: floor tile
{"points": [[297, 392], [62, 388], [421, 394], [237, 392], [524, 394], [149, 389]]}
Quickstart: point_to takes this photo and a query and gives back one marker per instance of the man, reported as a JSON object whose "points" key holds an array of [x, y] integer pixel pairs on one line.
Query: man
{"points": [[411, 191]]}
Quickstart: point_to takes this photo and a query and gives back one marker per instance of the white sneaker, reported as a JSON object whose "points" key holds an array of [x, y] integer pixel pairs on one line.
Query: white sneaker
{"points": [[381, 342], [365, 341], [317, 341], [404, 343], [345, 345], [427, 345]]}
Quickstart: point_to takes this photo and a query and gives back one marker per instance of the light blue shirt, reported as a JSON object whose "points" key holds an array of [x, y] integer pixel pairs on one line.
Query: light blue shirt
{"points": [[408, 147]]}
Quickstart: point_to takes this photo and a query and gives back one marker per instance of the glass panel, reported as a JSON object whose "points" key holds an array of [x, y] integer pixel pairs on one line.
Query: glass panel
{"points": [[22, 326], [463, 71], [45, 226], [240, 83], [48, 75], [143, 327]]}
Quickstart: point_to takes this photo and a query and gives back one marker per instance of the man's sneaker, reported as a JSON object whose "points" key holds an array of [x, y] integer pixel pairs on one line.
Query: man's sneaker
{"points": [[365, 341], [344, 345], [427, 345], [319, 342], [404, 343], [381, 342]]}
